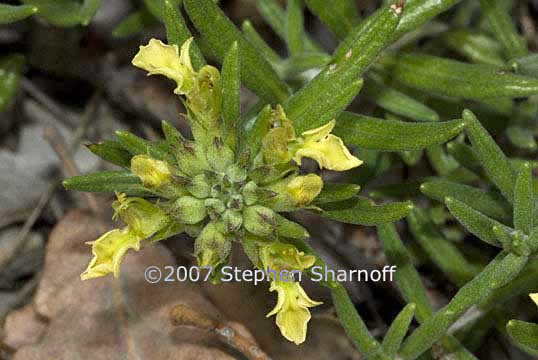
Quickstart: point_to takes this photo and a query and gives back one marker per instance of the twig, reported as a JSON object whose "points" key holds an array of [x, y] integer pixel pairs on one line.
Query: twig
{"points": [[48, 103], [57, 143], [182, 315]]}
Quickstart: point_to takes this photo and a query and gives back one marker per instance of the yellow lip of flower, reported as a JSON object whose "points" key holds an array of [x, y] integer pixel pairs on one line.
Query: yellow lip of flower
{"points": [[534, 297], [159, 58], [292, 314], [327, 149], [109, 251], [304, 189]]}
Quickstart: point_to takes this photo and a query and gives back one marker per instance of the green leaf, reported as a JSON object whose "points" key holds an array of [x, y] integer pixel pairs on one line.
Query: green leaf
{"points": [[398, 103], [490, 203], [177, 31], [525, 335], [442, 163], [64, 13], [255, 39], [12, 13], [350, 60], [134, 23], [396, 333], [290, 229], [392, 135], [254, 132], [362, 211], [474, 221], [155, 8], [419, 12], [11, 68], [333, 192], [295, 65], [521, 138], [339, 15], [107, 181], [493, 160], [442, 253], [499, 272], [527, 65], [524, 200], [138, 146], [503, 28], [231, 91], [220, 33], [88, 11], [275, 16], [295, 27], [113, 152], [354, 325], [406, 277], [477, 47], [457, 79]]}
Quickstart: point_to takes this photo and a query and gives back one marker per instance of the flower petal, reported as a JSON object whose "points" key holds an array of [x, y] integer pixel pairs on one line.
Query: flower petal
{"points": [[320, 132], [304, 189], [109, 251], [534, 297], [330, 153]]}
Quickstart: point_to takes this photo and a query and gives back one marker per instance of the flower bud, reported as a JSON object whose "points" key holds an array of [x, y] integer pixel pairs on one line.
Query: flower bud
{"points": [[219, 156], [199, 186], [259, 220], [211, 246], [153, 173], [232, 220], [236, 173], [143, 218], [189, 210], [250, 193]]}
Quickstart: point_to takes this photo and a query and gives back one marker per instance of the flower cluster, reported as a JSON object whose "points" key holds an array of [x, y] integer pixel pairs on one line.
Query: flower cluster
{"points": [[219, 191]]}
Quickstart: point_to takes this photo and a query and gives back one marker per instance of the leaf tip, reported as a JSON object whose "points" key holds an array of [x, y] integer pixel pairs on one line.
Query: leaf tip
{"points": [[449, 200]]}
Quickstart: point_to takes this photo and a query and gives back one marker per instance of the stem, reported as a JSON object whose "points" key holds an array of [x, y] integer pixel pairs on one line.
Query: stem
{"points": [[503, 269]]}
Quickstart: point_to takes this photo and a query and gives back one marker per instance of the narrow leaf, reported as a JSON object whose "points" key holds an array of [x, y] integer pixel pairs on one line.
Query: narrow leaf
{"points": [[221, 33], [442, 253], [521, 138], [295, 27], [339, 15], [333, 192], [58, 12], [524, 200], [398, 103], [503, 28], [231, 91], [392, 135], [457, 79], [177, 31], [363, 211], [474, 221], [113, 152], [10, 76], [133, 23], [107, 181], [527, 65], [290, 229], [396, 333], [350, 60], [12, 13], [88, 10], [477, 47], [524, 334], [255, 132], [493, 160], [419, 12], [490, 203], [138, 146], [255, 39]]}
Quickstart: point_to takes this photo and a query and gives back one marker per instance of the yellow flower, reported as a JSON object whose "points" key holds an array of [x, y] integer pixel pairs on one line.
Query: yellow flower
{"points": [[327, 149], [108, 252], [153, 173], [162, 59], [143, 218], [281, 256], [534, 297], [304, 189], [292, 314]]}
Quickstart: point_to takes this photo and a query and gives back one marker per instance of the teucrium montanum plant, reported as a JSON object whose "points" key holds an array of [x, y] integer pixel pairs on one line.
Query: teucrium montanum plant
{"points": [[220, 195], [238, 175]]}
